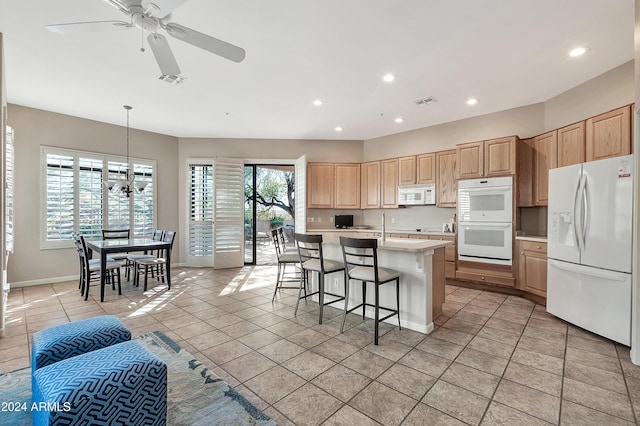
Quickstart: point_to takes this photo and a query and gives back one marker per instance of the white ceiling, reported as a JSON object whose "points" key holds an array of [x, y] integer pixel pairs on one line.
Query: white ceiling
{"points": [[506, 53]]}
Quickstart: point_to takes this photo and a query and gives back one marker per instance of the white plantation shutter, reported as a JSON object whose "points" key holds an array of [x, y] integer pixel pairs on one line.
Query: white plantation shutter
{"points": [[228, 225], [301, 194], [90, 197], [143, 202], [200, 241], [117, 203], [59, 197], [8, 191]]}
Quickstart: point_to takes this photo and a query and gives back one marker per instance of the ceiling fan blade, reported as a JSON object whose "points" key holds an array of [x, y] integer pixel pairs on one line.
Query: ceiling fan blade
{"points": [[164, 57], [208, 43], [118, 4], [160, 8], [88, 27]]}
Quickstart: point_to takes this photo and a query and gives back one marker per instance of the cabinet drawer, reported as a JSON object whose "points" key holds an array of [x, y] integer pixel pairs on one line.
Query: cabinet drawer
{"points": [[533, 246], [486, 276]]}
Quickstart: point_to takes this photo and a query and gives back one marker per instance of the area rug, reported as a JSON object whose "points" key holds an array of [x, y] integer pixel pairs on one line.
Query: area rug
{"points": [[195, 395]]}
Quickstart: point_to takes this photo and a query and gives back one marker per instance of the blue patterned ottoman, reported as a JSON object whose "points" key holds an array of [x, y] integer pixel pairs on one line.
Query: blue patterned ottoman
{"points": [[123, 384], [75, 338]]}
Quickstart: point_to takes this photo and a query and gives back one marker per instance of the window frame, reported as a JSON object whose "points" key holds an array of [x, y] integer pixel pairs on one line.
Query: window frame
{"points": [[105, 158]]}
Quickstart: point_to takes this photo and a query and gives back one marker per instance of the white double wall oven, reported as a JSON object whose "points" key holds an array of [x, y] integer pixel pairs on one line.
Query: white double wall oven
{"points": [[485, 220]]}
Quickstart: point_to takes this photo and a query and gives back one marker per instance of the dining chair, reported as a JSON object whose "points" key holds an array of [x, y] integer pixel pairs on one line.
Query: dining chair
{"points": [[91, 269], [157, 236], [284, 259], [312, 260], [119, 234], [360, 257], [92, 262], [158, 262]]}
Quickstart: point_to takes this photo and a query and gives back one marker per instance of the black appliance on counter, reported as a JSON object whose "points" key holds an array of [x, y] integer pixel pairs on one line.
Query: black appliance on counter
{"points": [[343, 220]]}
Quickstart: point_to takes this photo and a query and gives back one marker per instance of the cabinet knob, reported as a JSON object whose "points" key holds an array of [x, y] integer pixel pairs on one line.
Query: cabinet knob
{"points": [[538, 247], [482, 278]]}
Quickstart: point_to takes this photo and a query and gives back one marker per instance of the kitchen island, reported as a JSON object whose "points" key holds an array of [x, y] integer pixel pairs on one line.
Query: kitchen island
{"points": [[421, 264]]}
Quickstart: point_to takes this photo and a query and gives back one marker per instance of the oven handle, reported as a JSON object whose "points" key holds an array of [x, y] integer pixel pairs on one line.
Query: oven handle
{"points": [[486, 189], [487, 224]]}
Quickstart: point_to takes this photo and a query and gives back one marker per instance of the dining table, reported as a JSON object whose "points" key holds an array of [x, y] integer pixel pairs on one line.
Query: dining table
{"points": [[106, 247]]}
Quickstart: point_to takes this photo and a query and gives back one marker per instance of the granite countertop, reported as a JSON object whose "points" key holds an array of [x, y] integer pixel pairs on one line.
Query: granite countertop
{"points": [[529, 237], [404, 244], [423, 231]]}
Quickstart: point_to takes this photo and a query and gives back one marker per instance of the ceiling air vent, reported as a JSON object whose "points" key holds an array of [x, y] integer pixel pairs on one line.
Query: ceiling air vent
{"points": [[425, 101]]}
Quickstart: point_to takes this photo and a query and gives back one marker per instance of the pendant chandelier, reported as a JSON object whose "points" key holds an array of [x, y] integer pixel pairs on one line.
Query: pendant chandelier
{"points": [[127, 185]]}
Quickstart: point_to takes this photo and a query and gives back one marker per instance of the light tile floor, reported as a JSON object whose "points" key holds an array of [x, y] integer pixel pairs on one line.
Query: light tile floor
{"points": [[493, 359]]}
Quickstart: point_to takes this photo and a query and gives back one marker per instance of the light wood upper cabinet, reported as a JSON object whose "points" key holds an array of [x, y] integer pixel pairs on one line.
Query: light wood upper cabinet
{"points": [[532, 267], [495, 157], [446, 184], [347, 186], [470, 160], [407, 170], [571, 144], [426, 168], [389, 183], [525, 173], [609, 134], [320, 185], [500, 157], [370, 185], [544, 158]]}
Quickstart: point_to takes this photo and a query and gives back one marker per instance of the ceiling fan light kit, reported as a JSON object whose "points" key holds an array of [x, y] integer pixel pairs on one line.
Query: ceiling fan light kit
{"points": [[149, 16]]}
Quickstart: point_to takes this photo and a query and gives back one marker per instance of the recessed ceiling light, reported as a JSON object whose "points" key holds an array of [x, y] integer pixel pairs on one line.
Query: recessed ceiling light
{"points": [[578, 51], [472, 101], [389, 77], [339, 129], [399, 120], [318, 102]]}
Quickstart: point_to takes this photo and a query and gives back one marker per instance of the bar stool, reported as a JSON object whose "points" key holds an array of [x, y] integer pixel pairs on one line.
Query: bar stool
{"points": [[361, 264], [284, 258], [312, 259]]}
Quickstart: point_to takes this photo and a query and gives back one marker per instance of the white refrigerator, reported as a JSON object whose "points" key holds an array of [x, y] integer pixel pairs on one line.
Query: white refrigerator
{"points": [[590, 246]]}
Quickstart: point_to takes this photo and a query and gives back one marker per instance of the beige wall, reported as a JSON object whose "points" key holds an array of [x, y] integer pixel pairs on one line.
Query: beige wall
{"points": [[608, 91], [34, 128], [603, 93]]}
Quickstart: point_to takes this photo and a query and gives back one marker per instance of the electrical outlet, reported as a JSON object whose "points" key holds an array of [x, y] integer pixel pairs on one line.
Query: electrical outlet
{"points": [[309, 219], [393, 220], [319, 219]]}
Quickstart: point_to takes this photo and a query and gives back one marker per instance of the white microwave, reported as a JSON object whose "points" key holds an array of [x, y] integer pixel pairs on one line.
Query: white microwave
{"points": [[423, 194]]}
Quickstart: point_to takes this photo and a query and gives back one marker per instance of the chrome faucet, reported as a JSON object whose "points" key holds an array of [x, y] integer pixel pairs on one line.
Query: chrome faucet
{"points": [[384, 237]]}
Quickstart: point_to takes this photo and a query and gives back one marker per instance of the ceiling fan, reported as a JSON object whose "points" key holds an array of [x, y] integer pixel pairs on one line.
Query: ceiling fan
{"points": [[149, 16]]}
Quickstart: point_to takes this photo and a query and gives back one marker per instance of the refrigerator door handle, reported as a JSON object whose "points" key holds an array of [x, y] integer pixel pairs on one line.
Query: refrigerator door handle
{"points": [[578, 223], [598, 273], [576, 213], [586, 205]]}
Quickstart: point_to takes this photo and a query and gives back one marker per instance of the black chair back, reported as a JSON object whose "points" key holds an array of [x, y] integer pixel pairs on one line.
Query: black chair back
{"points": [[116, 234], [360, 252], [310, 248]]}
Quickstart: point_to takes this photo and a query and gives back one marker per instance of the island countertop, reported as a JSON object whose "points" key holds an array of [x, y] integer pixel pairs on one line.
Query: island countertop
{"points": [[404, 244]]}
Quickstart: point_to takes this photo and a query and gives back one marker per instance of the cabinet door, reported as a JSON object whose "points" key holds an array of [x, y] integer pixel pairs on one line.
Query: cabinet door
{"points": [[320, 185], [525, 173], [347, 186], [545, 148], [609, 134], [470, 160], [532, 274], [407, 170], [370, 185], [426, 168], [389, 185], [500, 157], [446, 185], [571, 144]]}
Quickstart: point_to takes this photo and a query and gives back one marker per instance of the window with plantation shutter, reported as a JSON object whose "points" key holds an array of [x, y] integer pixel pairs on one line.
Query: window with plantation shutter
{"points": [[228, 226], [200, 250], [74, 197]]}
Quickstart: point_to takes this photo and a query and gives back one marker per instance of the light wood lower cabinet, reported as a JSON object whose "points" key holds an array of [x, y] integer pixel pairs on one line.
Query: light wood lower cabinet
{"points": [[532, 267]]}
